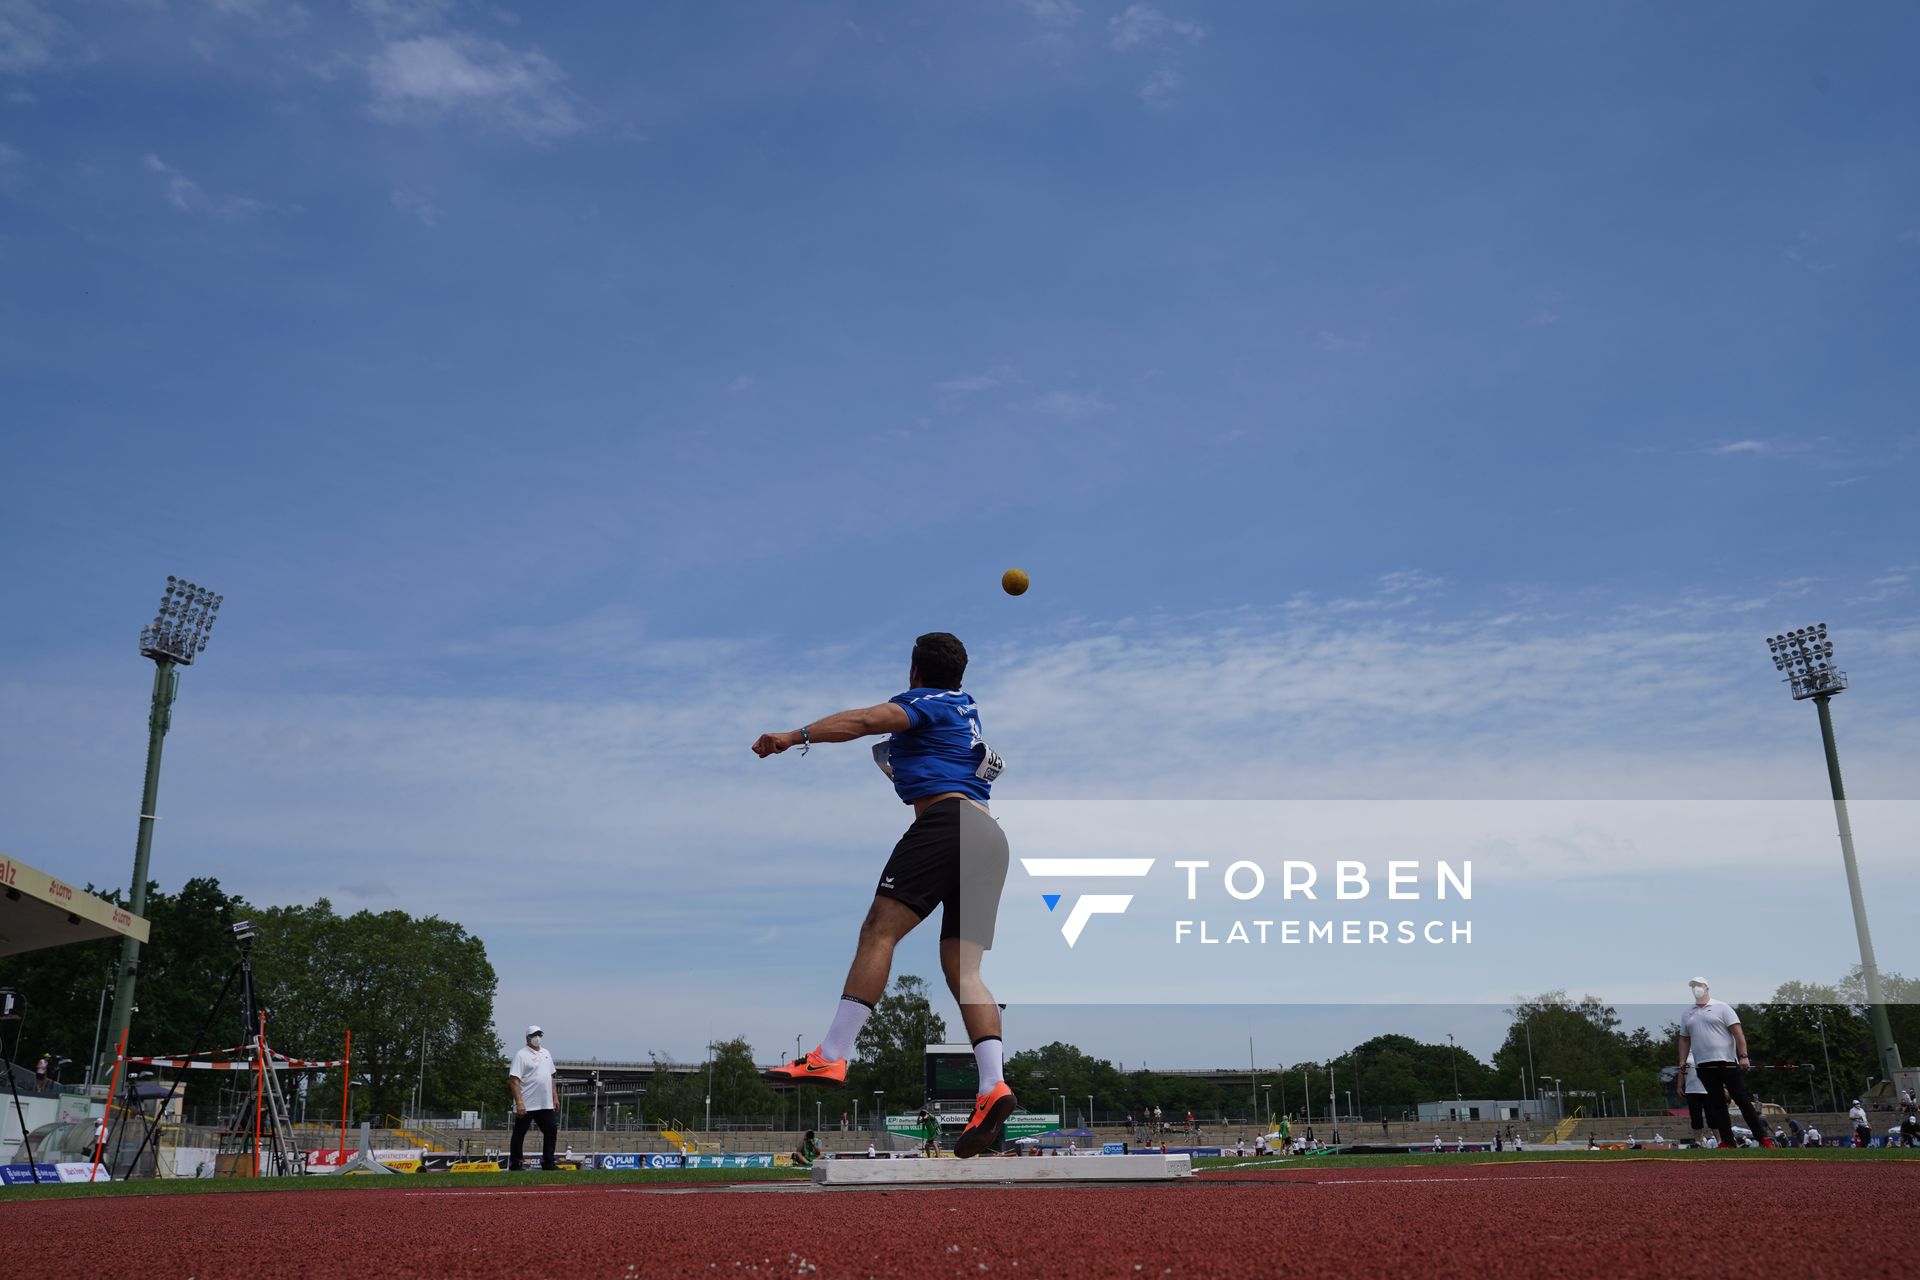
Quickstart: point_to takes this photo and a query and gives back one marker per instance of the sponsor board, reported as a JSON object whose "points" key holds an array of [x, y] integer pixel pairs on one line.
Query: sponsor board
{"points": [[1113, 1148], [331, 1159], [13, 1175], [83, 1171], [475, 1166], [628, 1161], [729, 1162]]}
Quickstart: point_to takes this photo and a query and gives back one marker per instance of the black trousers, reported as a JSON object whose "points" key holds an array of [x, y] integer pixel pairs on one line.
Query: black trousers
{"points": [[1726, 1080], [549, 1134]]}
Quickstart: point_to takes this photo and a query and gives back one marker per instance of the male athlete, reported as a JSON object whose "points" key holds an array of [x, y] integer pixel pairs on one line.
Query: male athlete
{"points": [[941, 766]]}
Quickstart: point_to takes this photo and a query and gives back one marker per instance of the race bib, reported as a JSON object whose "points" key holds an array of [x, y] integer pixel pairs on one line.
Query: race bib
{"points": [[991, 765]]}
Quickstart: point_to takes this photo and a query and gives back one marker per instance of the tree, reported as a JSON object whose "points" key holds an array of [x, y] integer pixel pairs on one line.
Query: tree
{"points": [[738, 1090], [417, 992], [892, 1045], [671, 1099]]}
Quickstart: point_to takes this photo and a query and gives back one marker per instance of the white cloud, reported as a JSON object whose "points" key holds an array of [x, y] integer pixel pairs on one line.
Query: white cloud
{"points": [[417, 205], [1735, 447], [279, 17], [400, 17], [29, 36], [972, 382], [1328, 340], [742, 382], [1142, 24], [188, 196], [1158, 89], [1052, 13], [1070, 404], [429, 77]]}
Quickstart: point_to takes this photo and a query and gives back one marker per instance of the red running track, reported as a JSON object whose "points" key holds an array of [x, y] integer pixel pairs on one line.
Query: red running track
{"points": [[1687, 1219]]}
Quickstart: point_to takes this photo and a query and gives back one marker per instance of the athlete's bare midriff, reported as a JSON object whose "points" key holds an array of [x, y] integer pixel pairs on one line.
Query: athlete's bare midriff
{"points": [[924, 803]]}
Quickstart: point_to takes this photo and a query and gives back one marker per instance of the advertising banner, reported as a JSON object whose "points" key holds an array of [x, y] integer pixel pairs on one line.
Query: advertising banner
{"points": [[13, 1175], [83, 1171], [729, 1162]]}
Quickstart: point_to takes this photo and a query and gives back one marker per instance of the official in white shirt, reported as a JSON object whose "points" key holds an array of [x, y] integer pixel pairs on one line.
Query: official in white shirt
{"points": [[531, 1080], [1710, 1031], [1696, 1095]]}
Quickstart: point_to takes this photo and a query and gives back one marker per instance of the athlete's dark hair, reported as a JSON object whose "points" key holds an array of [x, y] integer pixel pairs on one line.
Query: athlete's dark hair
{"points": [[941, 660]]}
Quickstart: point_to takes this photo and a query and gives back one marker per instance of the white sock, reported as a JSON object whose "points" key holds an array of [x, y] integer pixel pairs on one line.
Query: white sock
{"points": [[848, 1017], [987, 1052]]}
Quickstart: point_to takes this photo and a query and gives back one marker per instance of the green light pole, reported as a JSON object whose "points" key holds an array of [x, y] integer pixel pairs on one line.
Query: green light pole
{"points": [[1806, 657], [176, 636]]}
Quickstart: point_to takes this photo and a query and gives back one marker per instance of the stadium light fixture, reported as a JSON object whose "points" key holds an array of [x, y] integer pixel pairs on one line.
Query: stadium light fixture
{"points": [[1805, 658], [179, 631], [176, 636]]}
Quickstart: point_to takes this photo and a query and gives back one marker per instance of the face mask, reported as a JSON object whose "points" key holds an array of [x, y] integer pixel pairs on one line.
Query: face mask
{"points": [[1699, 993], [533, 1042]]}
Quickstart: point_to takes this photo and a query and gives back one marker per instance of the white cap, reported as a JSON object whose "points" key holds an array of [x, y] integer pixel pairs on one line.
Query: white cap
{"points": [[1701, 982], [533, 1030]]}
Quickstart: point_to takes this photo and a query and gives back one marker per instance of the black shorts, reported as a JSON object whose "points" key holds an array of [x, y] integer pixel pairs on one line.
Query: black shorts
{"points": [[954, 856]]}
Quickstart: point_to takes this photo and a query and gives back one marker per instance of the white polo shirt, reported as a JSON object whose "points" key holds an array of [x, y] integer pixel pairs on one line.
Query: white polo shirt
{"points": [[1709, 1028], [534, 1069]]}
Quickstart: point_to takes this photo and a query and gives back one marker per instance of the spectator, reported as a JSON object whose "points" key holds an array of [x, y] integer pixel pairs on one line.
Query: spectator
{"points": [[1710, 1033], [808, 1152], [1696, 1095], [1499, 1141], [531, 1080], [1862, 1131], [1813, 1138], [40, 1073], [1910, 1127], [1796, 1136]]}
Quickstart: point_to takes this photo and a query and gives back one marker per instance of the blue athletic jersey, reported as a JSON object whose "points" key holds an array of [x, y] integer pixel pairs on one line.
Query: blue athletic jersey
{"points": [[943, 750]]}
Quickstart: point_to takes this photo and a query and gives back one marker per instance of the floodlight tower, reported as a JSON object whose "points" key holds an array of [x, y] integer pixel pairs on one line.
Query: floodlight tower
{"points": [[1805, 656], [177, 634]]}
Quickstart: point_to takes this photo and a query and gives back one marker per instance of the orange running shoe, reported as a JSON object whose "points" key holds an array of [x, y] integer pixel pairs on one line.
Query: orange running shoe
{"points": [[988, 1121], [813, 1069]]}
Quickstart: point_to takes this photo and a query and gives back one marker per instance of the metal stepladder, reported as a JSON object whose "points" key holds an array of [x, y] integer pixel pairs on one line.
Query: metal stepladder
{"points": [[262, 1126]]}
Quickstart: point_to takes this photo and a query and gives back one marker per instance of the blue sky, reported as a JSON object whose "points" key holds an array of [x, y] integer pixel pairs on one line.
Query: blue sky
{"points": [[1389, 401]]}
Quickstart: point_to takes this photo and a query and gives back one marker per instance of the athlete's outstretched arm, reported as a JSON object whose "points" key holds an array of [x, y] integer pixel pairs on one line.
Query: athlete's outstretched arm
{"points": [[841, 726]]}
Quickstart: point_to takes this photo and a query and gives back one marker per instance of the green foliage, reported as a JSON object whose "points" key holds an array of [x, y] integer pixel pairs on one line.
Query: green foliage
{"points": [[414, 991], [398, 981], [738, 1090], [892, 1046]]}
